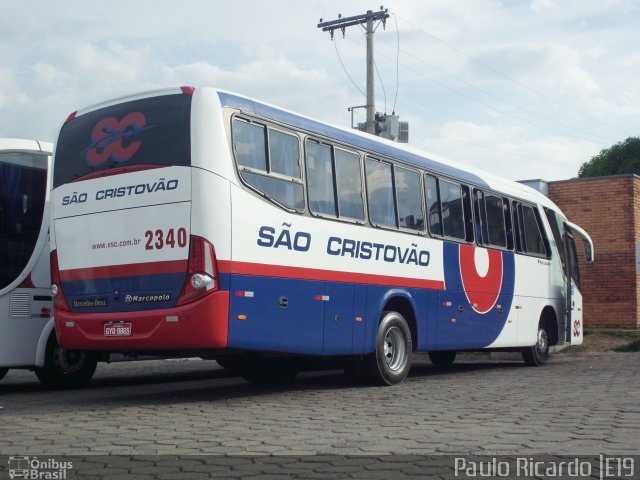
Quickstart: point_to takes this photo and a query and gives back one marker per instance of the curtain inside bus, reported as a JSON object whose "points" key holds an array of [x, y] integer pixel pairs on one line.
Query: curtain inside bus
{"points": [[23, 183]]}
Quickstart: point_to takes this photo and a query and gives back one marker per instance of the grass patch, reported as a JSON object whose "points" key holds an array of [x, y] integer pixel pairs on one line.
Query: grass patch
{"points": [[574, 349], [603, 340], [633, 346]]}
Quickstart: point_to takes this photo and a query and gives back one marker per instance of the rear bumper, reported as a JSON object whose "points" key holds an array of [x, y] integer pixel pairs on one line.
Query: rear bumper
{"points": [[201, 324]]}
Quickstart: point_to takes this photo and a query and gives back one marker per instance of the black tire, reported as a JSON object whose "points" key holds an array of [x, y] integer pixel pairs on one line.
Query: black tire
{"points": [[391, 361], [3, 372], [443, 358], [538, 354], [66, 368], [269, 371]]}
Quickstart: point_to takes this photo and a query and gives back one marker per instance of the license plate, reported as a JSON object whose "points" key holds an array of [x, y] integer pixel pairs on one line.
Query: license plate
{"points": [[117, 330]]}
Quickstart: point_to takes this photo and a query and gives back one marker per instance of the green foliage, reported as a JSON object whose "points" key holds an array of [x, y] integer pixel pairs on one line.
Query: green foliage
{"points": [[621, 158]]}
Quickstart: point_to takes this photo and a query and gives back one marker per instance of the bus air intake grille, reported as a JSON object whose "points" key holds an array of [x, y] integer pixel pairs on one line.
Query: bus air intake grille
{"points": [[20, 306]]}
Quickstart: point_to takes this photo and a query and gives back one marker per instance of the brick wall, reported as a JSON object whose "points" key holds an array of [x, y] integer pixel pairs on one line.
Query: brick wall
{"points": [[608, 208]]}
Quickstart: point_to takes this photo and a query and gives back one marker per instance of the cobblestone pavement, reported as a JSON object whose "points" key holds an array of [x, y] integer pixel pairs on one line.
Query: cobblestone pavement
{"points": [[575, 405]]}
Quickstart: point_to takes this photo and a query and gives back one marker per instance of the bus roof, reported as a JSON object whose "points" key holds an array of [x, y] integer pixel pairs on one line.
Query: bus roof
{"points": [[376, 145], [23, 145]]}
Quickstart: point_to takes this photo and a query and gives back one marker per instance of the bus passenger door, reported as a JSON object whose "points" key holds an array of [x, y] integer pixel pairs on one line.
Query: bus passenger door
{"points": [[573, 305], [338, 318]]}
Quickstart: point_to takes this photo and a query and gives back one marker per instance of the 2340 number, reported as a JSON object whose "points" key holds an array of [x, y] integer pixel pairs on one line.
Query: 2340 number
{"points": [[159, 239]]}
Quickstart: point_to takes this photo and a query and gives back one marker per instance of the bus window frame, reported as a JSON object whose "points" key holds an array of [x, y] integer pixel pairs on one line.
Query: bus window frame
{"points": [[268, 173], [393, 193], [467, 210], [518, 215], [478, 223], [334, 175], [363, 191], [420, 175]]}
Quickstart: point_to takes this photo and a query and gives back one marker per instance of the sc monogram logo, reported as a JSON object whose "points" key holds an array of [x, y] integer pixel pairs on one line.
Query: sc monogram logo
{"points": [[107, 138]]}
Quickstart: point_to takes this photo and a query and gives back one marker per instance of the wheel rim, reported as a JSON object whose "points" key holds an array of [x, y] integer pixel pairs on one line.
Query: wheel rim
{"points": [[394, 349], [543, 342], [69, 361]]}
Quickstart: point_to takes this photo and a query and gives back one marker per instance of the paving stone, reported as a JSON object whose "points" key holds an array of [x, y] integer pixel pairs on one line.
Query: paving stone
{"points": [[583, 404]]}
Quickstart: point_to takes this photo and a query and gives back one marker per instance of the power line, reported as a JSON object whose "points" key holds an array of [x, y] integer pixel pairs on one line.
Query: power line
{"points": [[504, 75], [489, 106], [395, 100], [345, 70], [384, 92], [499, 98]]}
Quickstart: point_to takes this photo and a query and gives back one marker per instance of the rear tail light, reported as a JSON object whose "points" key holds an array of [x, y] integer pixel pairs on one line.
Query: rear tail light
{"points": [[202, 273], [57, 295]]}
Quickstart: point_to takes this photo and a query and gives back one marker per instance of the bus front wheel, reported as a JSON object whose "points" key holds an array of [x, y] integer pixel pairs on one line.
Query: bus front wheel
{"points": [[391, 361], [66, 368], [538, 354]]}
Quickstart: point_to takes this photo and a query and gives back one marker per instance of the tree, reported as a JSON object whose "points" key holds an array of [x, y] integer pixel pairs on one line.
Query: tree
{"points": [[623, 157]]}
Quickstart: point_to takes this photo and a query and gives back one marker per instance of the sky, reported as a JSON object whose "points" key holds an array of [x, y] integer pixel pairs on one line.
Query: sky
{"points": [[525, 89]]}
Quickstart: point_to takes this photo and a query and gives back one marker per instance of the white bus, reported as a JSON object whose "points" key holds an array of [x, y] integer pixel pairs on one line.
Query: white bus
{"points": [[27, 336], [194, 219]]}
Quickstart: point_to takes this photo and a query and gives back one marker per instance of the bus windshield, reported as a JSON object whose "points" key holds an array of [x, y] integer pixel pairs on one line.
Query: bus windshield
{"points": [[23, 185], [148, 132]]}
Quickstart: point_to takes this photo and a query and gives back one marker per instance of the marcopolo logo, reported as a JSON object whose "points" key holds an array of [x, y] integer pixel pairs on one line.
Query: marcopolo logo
{"points": [[146, 298], [34, 468]]}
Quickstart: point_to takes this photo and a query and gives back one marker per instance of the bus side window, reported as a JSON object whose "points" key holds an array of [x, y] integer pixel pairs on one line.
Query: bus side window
{"points": [[249, 144], [534, 240], [380, 198], [269, 164], [349, 184], [517, 227], [468, 216], [495, 221], [557, 235], [506, 210], [481, 233], [284, 154], [433, 205], [409, 198], [452, 210], [320, 178]]}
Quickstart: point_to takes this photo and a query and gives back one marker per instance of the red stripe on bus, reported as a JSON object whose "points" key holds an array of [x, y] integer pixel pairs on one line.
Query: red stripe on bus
{"points": [[264, 270], [129, 270]]}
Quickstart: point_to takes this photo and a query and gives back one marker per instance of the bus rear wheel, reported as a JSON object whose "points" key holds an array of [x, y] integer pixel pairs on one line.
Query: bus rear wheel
{"points": [[66, 368], [538, 354], [391, 361]]}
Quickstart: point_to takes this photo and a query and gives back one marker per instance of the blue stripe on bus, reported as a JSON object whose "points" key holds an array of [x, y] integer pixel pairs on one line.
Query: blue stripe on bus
{"points": [[345, 137]]}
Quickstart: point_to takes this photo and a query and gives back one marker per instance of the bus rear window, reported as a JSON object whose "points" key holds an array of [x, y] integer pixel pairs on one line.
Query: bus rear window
{"points": [[152, 131]]}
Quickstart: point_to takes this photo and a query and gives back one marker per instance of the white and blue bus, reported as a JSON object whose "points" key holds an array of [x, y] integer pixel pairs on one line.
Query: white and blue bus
{"points": [[197, 220], [27, 336]]}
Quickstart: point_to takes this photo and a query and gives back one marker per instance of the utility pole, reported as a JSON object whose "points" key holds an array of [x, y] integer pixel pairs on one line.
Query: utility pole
{"points": [[368, 18]]}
